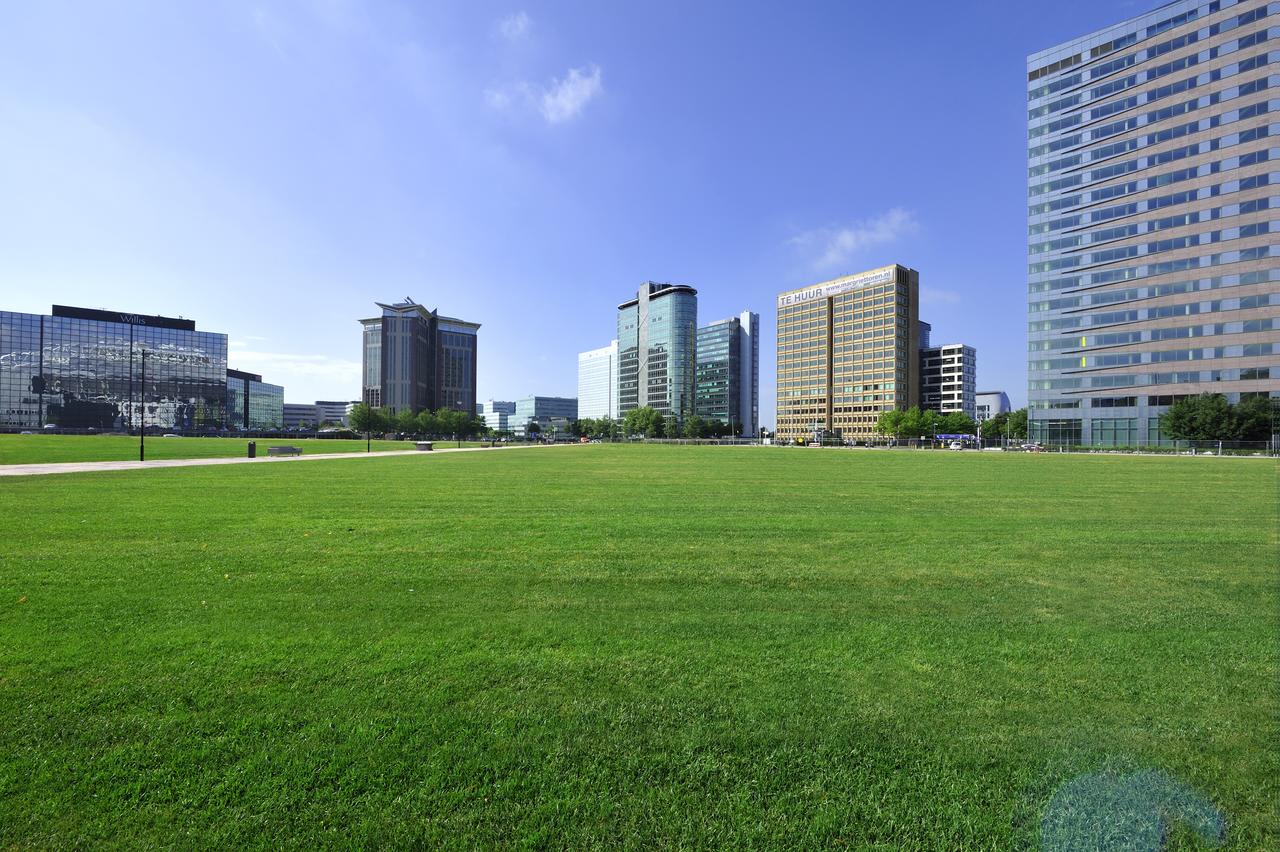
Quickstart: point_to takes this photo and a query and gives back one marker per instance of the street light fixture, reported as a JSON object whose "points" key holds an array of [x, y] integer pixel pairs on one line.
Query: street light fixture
{"points": [[142, 410]]}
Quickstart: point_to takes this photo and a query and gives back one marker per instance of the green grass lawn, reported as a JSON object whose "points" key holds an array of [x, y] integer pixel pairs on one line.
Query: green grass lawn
{"points": [[632, 647], [41, 449]]}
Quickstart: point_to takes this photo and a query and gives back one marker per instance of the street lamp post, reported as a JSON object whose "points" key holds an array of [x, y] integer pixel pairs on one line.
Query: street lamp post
{"points": [[142, 411]]}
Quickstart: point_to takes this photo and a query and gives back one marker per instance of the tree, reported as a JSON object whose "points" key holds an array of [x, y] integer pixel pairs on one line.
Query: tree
{"points": [[363, 418], [1205, 417], [1209, 417], [532, 429], [671, 426], [890, 423], [406, 421], [694, 427], [957, 423], [1255, 418], [427, 423], [995, 425], [1017, 425], [644, 420]]}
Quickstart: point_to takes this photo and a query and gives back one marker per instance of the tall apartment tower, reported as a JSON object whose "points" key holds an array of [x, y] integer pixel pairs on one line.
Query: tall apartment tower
{"points": [[656, 349], [728, 373], [415, 359], [1153, 269], [848, 350], [949, 379], [598, 383]]}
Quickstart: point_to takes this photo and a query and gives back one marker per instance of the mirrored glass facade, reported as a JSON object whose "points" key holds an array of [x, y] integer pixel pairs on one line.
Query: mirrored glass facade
{"points": [[82, 369], [1154, 205], [252, 403], [728, 375], [657, 346]]}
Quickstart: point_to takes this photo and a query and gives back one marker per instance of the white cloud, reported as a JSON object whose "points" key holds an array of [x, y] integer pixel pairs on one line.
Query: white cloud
{"points": [[566, 98], [934, 296], [835, 247], [561, 101], [514, 27], [282, 367]]}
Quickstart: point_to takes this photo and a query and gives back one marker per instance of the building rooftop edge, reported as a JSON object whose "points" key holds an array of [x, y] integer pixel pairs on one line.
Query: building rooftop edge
{"points": [[871, 271], [1034, 60]]}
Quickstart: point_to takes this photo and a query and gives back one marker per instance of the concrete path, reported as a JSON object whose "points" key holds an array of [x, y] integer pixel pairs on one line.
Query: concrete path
{"points": [[93, 467]]}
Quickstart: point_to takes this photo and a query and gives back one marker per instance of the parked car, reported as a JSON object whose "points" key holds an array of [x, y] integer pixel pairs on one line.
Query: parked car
{"points": [[170, 435], [955, 445]]}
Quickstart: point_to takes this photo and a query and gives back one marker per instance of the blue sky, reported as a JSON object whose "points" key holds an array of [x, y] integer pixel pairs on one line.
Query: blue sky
{"points": [[270, 170]]}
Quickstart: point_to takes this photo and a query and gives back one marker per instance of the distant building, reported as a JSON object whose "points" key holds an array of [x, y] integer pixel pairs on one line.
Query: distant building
{"points": [[415, 359], [296, 415], [598, 383], [728, 373], [328, 411], [546, 411], [948, 379], [991, 403], [497, 414], [926, 330], [657, 342], [253, 403], [848, 350]]}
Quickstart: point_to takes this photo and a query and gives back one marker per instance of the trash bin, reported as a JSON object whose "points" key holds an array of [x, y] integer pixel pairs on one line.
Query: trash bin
{"points": [[253, 449]]}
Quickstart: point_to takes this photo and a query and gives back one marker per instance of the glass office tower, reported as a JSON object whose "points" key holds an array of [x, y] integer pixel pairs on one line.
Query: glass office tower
{"points": [[81, 369], [728, 375], [657, 346], [253, 403], [1153, 269]]}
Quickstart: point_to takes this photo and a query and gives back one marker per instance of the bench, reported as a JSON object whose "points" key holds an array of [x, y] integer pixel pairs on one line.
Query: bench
{"points": [[423, 445], [284, 451]]}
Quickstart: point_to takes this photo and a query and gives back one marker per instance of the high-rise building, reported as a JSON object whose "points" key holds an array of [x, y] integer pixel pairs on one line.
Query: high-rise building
{"points": [[598, 383], [82, 368], [657, 342], [948, 379], [728, 373], [990, 403], [926, 330], [415, 359], [1153, 273], [848, 350], [253, 403]]}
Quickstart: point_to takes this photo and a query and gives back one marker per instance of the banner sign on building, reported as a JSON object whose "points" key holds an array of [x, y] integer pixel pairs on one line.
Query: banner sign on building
{"points": [[837, 286]]}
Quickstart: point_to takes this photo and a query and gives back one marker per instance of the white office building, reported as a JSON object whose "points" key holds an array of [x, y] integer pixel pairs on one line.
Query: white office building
{"points": [[497, 414], [598, 383], [991, 403]]}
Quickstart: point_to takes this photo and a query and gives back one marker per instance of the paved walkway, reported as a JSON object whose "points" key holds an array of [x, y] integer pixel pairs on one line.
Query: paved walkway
{"points": [[93, 467]]}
